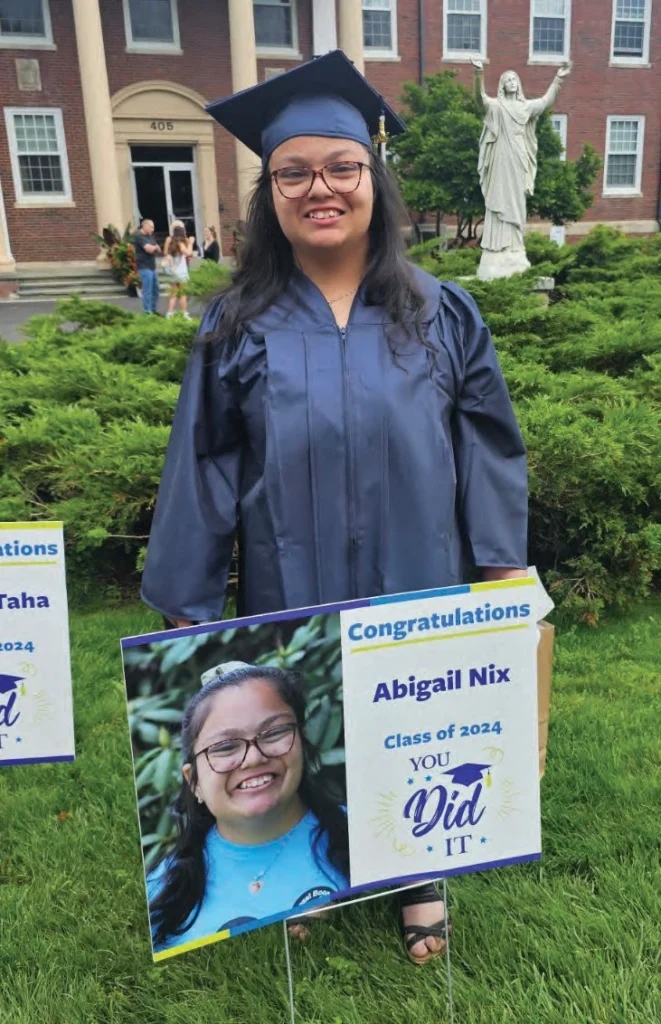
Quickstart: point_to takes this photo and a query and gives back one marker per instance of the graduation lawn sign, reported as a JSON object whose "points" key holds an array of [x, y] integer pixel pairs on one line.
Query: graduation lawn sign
{"points": [[36, 715], [440, 734]]}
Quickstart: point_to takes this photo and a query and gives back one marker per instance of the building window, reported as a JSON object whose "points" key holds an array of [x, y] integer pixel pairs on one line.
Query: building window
{"points": [[275, 24], [151, 25], [464, 29], [25, 23], [624, 155], [559, 125], [550, 30], [631, 31], [38, 155], [379, 27]]}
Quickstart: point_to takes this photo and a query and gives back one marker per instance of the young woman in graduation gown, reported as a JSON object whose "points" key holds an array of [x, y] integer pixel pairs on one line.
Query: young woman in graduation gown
{"points": [[343, 413]]}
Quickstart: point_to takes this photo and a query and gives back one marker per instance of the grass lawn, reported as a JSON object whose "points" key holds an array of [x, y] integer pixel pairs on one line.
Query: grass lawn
{"points": [[575, 939]]}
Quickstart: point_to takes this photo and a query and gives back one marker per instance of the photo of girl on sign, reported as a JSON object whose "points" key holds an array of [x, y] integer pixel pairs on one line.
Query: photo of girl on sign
{"points": [[258, 834], [242, 806]]}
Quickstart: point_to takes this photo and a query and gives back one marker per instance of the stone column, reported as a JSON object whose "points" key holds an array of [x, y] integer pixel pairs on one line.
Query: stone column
{"points": [[7, 264], [244, 75], [351, 31], [324, 27], [98, 113]]}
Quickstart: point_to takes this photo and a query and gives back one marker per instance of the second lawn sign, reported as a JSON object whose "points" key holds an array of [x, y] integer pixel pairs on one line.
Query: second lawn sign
{"points": [[36, 714], [440, 718]]}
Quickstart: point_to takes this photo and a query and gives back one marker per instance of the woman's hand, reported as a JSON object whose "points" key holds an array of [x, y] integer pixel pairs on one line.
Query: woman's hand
{"points": [[181, 623], [492, 573]]}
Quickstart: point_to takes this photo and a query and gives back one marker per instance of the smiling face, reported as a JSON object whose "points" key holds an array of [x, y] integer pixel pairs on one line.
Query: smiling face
{"points": [[263, 787], [323, 219]]}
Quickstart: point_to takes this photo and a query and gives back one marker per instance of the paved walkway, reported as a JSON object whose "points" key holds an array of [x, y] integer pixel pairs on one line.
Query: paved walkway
{"points": [[14, 314]]}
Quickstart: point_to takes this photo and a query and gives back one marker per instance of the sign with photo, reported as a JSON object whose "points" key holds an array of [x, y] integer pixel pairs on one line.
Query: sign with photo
{"points": [[288, 762], [36, 713]]}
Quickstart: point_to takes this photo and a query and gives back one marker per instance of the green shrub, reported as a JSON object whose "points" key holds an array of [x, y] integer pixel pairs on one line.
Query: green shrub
{"points": [[434, 257], [86, 406], [206, 279], [540, 249]]}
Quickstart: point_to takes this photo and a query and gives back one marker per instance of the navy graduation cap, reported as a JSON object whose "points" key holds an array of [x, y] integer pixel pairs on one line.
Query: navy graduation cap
{"points": [[8, 683], [326, 96], [467, 774]]}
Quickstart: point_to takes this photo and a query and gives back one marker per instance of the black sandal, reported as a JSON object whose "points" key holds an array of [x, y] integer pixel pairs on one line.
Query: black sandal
{"points": [[414, 933]]}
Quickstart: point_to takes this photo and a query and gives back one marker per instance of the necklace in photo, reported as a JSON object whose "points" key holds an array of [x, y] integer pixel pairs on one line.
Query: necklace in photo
{"points": [[257, 883]]}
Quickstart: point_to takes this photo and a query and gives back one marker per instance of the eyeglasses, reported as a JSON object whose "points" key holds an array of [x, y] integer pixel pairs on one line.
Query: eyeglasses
{"points": [[297, 182], [228, 754]]}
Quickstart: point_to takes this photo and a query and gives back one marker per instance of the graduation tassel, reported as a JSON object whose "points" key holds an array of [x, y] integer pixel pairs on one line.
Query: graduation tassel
{"points": [[382, 138]]}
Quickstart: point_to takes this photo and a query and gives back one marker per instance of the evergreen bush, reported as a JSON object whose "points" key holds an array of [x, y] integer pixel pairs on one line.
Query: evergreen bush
{"points": [[86, 405]]}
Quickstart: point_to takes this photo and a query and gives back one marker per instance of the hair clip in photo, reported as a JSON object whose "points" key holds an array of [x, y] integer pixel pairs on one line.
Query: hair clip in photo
{"points": [[221, 670]]}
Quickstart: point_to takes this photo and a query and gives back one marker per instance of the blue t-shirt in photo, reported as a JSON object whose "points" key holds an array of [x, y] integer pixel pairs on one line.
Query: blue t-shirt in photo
{"points": [[284, 872]]}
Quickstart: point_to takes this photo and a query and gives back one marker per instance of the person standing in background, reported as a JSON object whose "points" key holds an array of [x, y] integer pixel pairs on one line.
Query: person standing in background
{"points": [[178, 252], [146, 250], [211, 247]]}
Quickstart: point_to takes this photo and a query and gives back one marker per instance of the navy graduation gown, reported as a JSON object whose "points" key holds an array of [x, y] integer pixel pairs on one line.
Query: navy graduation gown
{"points": [[344, 472]]}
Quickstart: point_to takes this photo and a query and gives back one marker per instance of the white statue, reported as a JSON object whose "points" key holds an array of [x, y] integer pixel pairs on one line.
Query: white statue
{"points": [[507, 168]]}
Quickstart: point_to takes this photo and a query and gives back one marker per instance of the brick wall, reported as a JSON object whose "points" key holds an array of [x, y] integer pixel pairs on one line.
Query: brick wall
{"points": [[594, 91], [51, 233], [204, 66]]}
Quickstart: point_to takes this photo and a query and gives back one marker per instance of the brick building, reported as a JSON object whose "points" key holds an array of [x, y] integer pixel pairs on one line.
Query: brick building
{"points": [[103, 100]]}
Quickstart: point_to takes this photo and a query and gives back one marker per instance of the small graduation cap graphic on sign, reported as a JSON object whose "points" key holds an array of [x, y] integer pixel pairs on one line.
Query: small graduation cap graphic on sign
{"points": [[469, 773], [9, 683]]}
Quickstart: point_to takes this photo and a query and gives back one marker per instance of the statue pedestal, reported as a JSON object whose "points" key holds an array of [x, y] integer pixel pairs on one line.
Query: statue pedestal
{"points": [[502, 264]]}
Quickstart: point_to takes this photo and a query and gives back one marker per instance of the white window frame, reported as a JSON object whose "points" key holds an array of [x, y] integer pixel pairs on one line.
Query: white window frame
{"points": [[643, 61], [45, 42], [625, 190], [143, 45], [287, 52], [464, 56], [43, 198], [550, 58], [375, 52], [561, 132]]}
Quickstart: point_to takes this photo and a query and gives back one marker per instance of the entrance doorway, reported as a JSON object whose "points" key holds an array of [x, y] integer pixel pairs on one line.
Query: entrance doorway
{"points": [[165, 188]]}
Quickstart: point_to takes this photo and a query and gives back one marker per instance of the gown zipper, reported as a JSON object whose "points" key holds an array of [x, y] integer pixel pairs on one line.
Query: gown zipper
{"points": [[353, 541]]}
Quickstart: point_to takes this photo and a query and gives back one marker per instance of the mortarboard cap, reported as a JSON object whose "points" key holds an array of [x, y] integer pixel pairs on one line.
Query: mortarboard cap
{"points": [[8, 683], [467, 774], [326, 96]]}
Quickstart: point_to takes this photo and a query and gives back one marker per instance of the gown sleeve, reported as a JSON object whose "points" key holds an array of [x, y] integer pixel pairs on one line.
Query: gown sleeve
{"points": [[490, 455], [195, 520]]}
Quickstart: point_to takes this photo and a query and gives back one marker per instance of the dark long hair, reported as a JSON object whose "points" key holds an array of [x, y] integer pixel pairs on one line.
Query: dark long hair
{"points": [[178, 241], [179, 899], [266, 261]]}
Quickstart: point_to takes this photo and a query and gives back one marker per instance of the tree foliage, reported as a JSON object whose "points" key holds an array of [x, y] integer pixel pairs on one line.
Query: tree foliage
{"points": [[436, 159]]}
